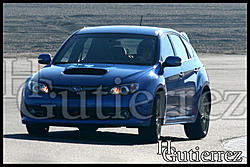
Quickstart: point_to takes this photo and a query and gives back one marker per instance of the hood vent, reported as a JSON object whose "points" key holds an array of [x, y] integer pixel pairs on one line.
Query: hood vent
{"points": [[85, 71]]}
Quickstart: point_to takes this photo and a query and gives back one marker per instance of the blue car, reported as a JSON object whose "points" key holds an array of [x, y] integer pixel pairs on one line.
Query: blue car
{"points": [[119, 76]]}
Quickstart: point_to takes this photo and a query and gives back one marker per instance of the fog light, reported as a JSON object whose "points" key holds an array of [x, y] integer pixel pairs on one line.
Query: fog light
{"points": [[126, 114], [32, 111]]}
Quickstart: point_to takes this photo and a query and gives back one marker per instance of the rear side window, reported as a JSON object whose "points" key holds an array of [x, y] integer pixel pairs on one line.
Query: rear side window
{"points": [[193, 51], [180, 49], [166, 48], [189, 47]]}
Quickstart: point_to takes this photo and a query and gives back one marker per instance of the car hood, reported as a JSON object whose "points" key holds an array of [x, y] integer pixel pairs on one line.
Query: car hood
{"points": [[90, 74]]}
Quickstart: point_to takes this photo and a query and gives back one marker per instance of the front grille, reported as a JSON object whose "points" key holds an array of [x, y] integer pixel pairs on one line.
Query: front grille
{"points": [[90, 112], [70, 93], [40, 111]]}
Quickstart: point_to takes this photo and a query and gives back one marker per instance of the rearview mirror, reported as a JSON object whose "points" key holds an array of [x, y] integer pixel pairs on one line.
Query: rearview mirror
{"points": [[44, 58], [172, 61]]}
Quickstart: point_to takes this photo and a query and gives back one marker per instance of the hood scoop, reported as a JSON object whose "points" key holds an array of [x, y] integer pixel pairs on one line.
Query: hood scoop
{"points": [[85, 71]]}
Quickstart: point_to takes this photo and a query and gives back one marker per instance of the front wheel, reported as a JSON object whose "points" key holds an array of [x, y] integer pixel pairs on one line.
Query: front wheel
{"points": [[199, 129], [152, 133], [37, 130]]}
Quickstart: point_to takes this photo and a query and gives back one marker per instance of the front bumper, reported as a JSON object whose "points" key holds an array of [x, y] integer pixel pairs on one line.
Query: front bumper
{"points": [[52, 112], [75, 123]]}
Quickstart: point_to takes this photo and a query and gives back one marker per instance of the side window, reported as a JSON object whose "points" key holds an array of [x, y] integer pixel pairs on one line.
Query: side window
{"points": [[193, 51], [166, 47], [188, 46], [180, 49]]}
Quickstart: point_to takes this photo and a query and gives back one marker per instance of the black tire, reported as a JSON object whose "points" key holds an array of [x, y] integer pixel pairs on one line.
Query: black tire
{"points": [[37, 130], [152, 133], [199, 129], [87, 129]]}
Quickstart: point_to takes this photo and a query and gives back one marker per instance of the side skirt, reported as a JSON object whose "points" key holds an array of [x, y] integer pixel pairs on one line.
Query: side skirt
{"points": [[179, 120]]}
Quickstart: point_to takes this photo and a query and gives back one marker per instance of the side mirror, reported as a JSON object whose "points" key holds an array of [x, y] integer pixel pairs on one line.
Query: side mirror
{"points": [[44, 58], [172, 61]]}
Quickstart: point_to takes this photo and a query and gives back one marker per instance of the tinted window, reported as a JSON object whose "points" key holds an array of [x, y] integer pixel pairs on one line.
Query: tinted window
{"points": [[166, 48], [86, 48], [193, 51], [188, 46], [180, 49], [109, 49]]}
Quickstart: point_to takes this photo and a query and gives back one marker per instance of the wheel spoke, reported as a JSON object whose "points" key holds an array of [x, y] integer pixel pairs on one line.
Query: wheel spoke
{"points": [[158, 120], [204, 112]]}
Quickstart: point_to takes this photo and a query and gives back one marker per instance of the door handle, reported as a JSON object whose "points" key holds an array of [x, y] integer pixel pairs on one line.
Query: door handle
{"points": [[181, 74]]}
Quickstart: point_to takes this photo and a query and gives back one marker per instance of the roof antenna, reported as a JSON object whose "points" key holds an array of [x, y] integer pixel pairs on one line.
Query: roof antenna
{"points": [[141, 20]]}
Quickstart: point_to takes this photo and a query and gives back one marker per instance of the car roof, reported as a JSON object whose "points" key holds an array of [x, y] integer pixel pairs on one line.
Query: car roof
{"points": [[145, 30]]}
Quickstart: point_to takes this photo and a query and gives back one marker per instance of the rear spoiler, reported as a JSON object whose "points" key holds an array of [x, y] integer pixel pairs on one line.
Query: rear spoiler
{"points": [[185, 35]]}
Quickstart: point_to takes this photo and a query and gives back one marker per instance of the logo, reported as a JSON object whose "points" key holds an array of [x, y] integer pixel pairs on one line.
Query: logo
{"points": [[77, 89], [171, 154]]}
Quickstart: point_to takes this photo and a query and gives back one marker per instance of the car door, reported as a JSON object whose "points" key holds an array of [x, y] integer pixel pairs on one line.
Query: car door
{"points": [[172, 78], [190, 69], [188, 77]]}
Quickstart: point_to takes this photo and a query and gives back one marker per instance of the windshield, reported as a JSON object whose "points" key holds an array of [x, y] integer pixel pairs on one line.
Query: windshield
{"points": [[108, 49]]}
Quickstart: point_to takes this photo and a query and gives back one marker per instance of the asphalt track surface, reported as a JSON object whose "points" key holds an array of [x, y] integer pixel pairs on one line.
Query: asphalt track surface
{"points": [[227, 74], [41, 27]]}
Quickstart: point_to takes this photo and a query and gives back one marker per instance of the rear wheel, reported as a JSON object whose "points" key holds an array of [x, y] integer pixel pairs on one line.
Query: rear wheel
{"points": [[37, 130], [199, 129], [152, 133]]}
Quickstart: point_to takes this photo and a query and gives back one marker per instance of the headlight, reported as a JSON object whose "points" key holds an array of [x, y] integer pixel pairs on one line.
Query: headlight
{"points": [[36, 87], [124, 89]]}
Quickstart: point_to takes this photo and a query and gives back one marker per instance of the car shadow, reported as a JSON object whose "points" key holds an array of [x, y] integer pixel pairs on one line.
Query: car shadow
{"points": [[97, 138]]}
